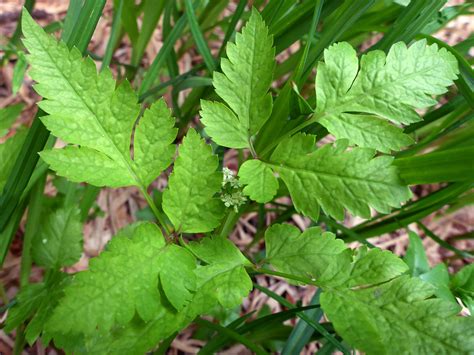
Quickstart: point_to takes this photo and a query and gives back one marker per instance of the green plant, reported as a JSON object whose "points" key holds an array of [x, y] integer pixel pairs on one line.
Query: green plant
{"points": [[154, 279]]}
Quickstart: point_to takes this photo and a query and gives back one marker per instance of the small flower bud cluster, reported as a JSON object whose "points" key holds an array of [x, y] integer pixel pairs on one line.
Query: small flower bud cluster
{"points": [[231, 193]]}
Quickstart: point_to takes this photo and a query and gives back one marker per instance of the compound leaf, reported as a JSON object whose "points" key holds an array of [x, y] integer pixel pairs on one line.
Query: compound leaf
{"points": [[222, 281], [121, 282], [371, 303], [398, 317], [387, 87], [313, 254], [189, 201], [85, 108], [243, 85], [338, 180], [59, 240]]}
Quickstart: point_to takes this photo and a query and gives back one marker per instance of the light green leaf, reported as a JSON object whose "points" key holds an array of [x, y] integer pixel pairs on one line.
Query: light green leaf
{"points": [[8, 153], [374, 267], [19, 72], [262, 185], [372, 305], [243, 85], [154, 135], [462, 286], [217, 250], [313, 254], [121, 282], [223, 125], [223, 280], [85, 108], [177, 276], [415, 256], [339, 180], [398, 317], [189, 201], [367, 131], [82, 164], [224, 284], [297, 145], [59, 240], [387, 87], [439, 278], [8, 115]]}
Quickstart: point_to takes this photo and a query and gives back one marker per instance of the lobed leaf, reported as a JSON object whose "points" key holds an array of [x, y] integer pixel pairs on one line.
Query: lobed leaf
{"points": [[312, 254], [399, 316], [86, 109], [190, 202], [121, 281], [222, 281], [59, 240], [243, 85], [371, 303], [385, 87], [338, 180]]}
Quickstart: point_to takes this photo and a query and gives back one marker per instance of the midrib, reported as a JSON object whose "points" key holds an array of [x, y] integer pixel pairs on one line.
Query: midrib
{"points": [[315, 172], [93, 114]]}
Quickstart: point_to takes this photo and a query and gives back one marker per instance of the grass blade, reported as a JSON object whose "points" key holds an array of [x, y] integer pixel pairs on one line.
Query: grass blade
{"points": [[233, 23], [114, 35], [302, 332], [231, 334], [160, 59], [152, 11], [444, 243], [311, 34], [445, 166], [199, 37], [318, 327], [410, 22]]}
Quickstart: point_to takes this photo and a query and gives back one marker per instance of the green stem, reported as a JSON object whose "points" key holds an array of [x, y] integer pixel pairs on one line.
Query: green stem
{"points": [[159, 216], [229, 223], [252, 150]]}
